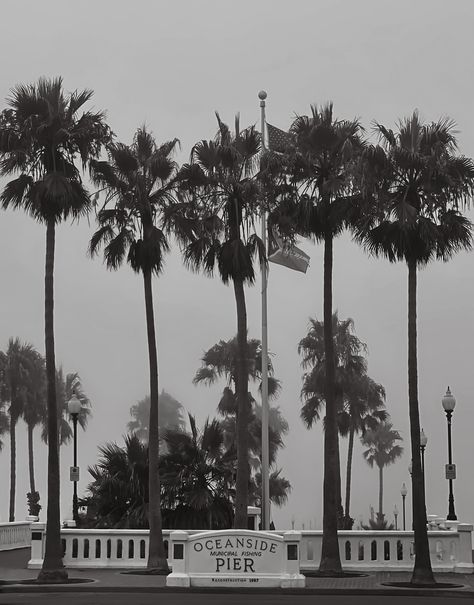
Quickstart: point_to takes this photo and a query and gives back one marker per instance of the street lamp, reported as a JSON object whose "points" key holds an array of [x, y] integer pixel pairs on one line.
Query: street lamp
{"points": [[449, 403], [423, 442], [395, 514], [404, 493], [74, 407]]}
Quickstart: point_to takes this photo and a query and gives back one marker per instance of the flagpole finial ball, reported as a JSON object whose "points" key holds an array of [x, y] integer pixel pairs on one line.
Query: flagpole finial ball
{"points": [[262, 95]]}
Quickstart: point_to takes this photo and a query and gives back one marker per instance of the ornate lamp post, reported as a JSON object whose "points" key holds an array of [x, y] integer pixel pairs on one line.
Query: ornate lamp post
{"points": [[449, 403], [423, 442], [404, 493], [74, 407], [395, 514]]}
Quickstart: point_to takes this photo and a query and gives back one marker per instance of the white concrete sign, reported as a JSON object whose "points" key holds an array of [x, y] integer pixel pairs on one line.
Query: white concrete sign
{"points": [[235, 558]]}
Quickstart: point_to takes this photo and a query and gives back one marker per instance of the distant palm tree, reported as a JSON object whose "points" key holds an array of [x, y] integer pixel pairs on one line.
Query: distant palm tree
{"points": [[324, 151], [414, 184], [65, 386], [216, 225], [170, 416], [359, 400], [16, 364], [382, 450], [34, 409], [119, 490], [364, 409], [221, 361], [139, 180], [41, 137], [197, 472]]}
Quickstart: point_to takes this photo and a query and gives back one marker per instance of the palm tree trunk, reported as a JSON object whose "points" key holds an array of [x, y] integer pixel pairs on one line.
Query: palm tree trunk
{"points": [[11, 515], [350, 452], [242, 482], [338, 487], [330, 559], [53, 568], [381, 492], [422, 572], [31, 464], [156, 550]]}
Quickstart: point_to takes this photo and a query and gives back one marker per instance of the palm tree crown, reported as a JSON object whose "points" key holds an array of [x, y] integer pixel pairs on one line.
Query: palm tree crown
{"points": [[139, 183], [416, 183], [41, 134]]}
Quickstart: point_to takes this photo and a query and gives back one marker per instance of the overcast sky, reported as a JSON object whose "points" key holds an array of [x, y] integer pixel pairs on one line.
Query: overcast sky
{"points": [[170, 65]]}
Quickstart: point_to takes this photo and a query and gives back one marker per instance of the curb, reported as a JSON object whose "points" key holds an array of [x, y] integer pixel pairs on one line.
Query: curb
{"points": [[92, 588]]}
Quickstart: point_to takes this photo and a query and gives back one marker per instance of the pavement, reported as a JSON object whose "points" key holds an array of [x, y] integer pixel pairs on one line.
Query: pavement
{"points": [[13, 568]]}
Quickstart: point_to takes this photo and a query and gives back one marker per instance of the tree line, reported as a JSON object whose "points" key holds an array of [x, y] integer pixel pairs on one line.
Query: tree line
{"points": [[401, 198], [23, 396]]}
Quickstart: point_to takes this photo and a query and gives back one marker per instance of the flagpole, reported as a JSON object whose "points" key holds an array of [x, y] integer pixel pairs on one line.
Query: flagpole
{"points": [[265, 507]]}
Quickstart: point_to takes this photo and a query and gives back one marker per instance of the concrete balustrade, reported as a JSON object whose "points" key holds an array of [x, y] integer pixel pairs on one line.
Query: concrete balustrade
{"points": [[451, 549], [393, 550], [15, 535]]}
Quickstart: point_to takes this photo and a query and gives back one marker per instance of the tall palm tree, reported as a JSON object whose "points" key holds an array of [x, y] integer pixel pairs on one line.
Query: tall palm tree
{"points": [[139, 183], [197, 473], [359, 400], [215, 222], [323, 154], [170, 415], [414, 183], [42, 134], [382, 450], [16, 363]]}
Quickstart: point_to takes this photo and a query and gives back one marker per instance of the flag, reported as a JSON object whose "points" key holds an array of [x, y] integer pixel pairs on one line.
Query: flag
{"points": [[278, 140], [287, 255]]}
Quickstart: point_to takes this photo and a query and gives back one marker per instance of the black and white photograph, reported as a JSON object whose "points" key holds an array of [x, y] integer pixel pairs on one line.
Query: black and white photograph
{"points": [[236, 302]]}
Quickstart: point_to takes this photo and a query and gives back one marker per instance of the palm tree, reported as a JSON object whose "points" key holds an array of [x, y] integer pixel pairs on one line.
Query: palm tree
{"points": [[118, 494], [197, 474], [414, 183], [324, 151], [16, 363], [221, 361], [382, 450], [41, 136], [139, 183], [215, 223], [359, 400], [170, 415], [363, 410], [34, 410]]}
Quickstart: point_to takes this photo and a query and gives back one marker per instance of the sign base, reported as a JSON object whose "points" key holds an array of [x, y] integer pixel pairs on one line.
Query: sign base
{"points": [[236, 581]]}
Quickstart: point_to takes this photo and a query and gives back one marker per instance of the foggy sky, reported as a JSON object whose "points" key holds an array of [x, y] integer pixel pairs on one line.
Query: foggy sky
{"points": [[170, 65]]}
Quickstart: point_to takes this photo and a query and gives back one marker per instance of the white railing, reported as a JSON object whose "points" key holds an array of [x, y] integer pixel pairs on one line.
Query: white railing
{"points": [[97, 548], [15, 535], [450, 550]]}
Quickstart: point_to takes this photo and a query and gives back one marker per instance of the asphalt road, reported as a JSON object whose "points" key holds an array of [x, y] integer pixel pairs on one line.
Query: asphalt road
{"points": [[218, 599]]}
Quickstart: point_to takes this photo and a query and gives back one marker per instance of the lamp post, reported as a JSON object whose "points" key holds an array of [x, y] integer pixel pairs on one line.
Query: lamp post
{"points": [[423, 442], [449, 403], [395, 514], [74, 407], [404, 493]]}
